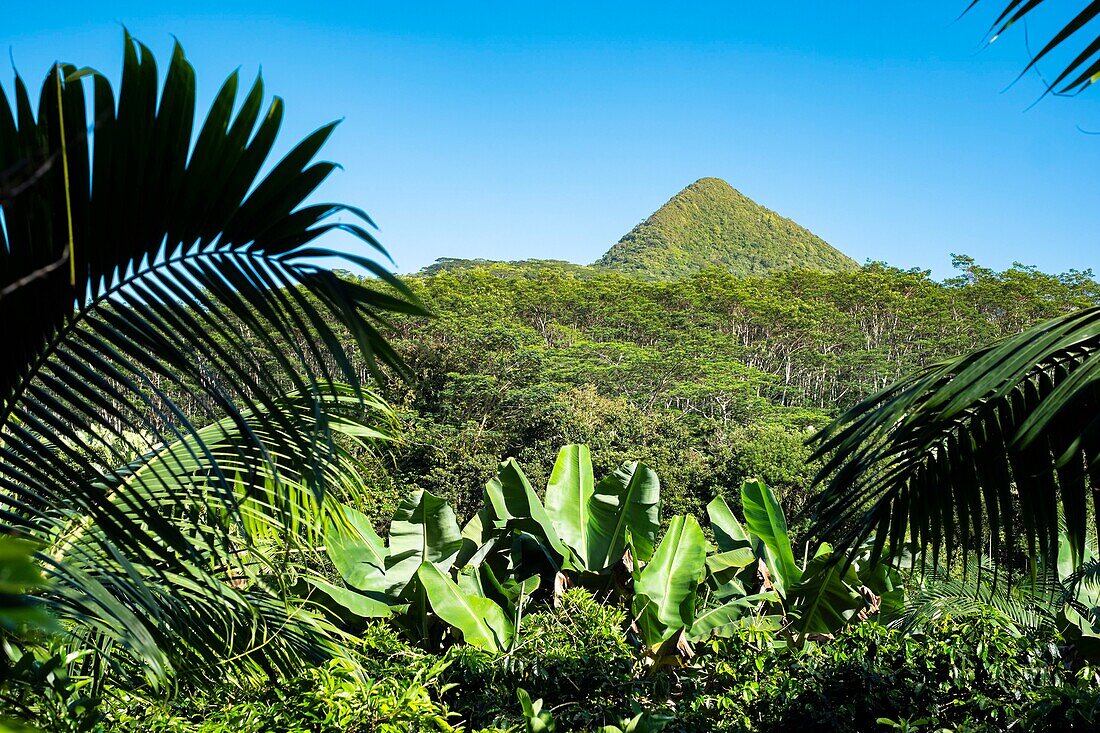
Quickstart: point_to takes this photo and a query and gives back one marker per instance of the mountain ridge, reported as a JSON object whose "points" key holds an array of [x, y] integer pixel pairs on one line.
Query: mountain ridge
{"points": [[711, 224], [708, 224]]}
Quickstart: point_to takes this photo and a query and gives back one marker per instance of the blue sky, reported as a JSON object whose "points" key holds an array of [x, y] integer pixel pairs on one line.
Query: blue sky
{"points": [[513, 130]]}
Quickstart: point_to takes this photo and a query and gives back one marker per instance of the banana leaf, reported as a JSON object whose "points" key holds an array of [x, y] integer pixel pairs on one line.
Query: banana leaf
{"points": [[481, 622], [424, 529], [665, 589], [722, 620], [825, 599], [768, 526], [356, 550]]}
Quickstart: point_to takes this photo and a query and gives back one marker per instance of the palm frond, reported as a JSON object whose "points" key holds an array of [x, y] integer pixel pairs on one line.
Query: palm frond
{"points": [[1021, 606], [1079, 72], [191, 293], [979, 452]]}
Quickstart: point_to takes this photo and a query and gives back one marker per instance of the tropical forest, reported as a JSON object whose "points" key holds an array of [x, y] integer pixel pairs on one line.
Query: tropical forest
{"points": [[256, 477]]}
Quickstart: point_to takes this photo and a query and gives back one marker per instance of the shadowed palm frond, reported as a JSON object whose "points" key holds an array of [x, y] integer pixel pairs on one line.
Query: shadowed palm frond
{"points": [[189, 293], [985, 451]]}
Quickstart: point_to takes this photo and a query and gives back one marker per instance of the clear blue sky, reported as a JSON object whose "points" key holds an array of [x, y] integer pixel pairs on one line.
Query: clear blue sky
{"points": [[509, 130]]}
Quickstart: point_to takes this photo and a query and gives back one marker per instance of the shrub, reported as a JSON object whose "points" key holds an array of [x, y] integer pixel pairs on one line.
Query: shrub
{"points": [[574, 657], [969, 674], [385, 686]]}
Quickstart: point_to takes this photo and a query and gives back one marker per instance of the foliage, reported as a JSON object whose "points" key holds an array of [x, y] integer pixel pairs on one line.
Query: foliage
{"points": [[962, 674], [477, 580], [1022, 604], [1084, 68], [574, 656], [153, 282], [384, 687], [678, 593], [969, 674], [709, 224], [20, 612], [50, 686], [535, 720], [710, 381], [1010, 428]]}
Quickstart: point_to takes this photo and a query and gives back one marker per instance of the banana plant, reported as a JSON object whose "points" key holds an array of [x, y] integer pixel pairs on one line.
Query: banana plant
{"points": [[597, 521], [483, 622], [1078, 618], [410, 577], [819, 598], [584, 529], [500, 557], [476, 580], [665, 604], [382, 579], [665, 589], [826, 597]]}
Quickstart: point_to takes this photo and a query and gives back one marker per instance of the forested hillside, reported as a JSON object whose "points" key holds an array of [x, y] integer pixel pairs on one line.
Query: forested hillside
{"points": [[711, 224], [710, 380]]}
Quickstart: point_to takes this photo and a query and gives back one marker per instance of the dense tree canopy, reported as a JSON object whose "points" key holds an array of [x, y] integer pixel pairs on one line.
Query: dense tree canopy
{"points": [[711, 379]]}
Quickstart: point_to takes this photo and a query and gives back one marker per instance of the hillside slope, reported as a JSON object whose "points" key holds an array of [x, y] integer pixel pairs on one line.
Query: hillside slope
{"points": [[711, 224]]}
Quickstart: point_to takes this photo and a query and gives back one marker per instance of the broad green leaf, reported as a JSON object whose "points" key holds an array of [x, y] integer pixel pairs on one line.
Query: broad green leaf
{"points": [[1081, 630], [720, 621], [729, 534], [628, 500], [353, 602], [517, 590], [20, 575], [665, 589], [511, 501], [825, 600], [536, 720], [766, 523], [568, 493], [474, 537], [356, 550], [882, 580], [481, 622], [424, 529], [481, 581], [725, 569]]}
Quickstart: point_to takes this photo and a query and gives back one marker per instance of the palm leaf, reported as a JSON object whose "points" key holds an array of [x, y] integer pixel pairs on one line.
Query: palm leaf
{"points": [[979, 452], [149, 284], [1079, 72], [1023, 606]]}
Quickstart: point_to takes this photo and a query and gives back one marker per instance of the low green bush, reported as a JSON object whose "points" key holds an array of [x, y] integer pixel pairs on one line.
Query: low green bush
{"points": [[574, 657], [967, 675], [383, 686], [972, 674]]}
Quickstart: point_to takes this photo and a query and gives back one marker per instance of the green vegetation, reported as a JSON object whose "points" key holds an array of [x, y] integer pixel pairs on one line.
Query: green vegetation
{"points": [[733, 635], [710, 381], [1012, 429], [710, 224], [167, 430], [241, 492]]}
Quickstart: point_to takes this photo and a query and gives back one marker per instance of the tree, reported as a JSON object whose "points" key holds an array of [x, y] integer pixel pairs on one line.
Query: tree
{"points": [[150, 280]]}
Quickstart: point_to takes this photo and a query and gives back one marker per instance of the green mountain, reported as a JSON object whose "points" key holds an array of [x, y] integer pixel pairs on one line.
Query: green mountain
{"points": [[711, 224]]}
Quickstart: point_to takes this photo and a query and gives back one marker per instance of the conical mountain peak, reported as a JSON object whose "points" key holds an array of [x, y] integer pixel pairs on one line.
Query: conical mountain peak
{"points": [[712, 224]]}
